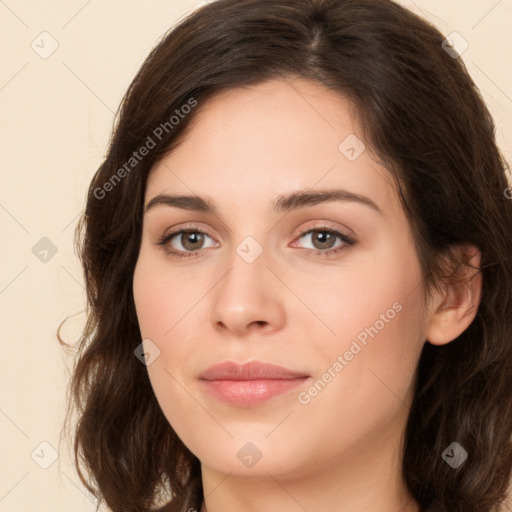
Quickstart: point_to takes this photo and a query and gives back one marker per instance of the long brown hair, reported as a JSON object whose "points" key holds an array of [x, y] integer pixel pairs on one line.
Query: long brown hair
{"points": [[424, 117]]}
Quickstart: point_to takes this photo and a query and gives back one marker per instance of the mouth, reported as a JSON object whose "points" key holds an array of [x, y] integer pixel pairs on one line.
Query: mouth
{"points": [[250, 384]]}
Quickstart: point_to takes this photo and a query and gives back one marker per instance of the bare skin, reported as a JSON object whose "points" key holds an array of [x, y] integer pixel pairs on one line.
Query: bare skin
{"points": [[338, 449]]}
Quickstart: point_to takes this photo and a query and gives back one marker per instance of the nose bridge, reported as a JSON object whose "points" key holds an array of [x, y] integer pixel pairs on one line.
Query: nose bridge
{"points": [[248, 267], [245, 294], [249, 240]]}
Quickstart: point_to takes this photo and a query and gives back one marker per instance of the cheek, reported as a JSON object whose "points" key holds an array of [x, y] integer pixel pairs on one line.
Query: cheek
{"points": [[161, 297], [161, 312], [374, 311], [380, 337], [168, 304], [371, 386], [379, 298]]}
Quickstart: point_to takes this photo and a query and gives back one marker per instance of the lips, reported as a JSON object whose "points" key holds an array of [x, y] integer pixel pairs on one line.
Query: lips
{"points": [[253, 370], [249, 384]]}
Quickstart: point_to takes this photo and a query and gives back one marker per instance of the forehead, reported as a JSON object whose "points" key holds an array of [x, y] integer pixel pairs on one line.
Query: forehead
{"points": [[268, 139]]}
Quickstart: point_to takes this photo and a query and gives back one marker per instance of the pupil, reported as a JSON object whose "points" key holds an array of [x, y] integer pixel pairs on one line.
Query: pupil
{"points": [[323, 235], [192, 238]]}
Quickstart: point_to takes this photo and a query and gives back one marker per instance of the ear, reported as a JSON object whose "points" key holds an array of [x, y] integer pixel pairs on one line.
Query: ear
{"points": [[454, 309]]}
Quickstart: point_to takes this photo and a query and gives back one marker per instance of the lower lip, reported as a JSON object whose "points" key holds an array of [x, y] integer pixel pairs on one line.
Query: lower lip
{"points": [[251, 392]]}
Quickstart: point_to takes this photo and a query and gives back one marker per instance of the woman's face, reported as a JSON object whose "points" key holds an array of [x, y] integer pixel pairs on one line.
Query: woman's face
{"points": [[330, 290]]}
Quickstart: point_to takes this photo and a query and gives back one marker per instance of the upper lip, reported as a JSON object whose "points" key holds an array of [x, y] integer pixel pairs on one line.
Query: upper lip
{"points": [[252, 370]]}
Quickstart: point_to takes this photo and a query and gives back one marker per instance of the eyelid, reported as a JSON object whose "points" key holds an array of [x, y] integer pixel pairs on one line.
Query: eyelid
{"points": [[302, 231], [319, 225], [190, 226]]}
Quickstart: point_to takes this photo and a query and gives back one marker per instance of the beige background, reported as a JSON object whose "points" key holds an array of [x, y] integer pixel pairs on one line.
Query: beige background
{"points": [[56, 117]]}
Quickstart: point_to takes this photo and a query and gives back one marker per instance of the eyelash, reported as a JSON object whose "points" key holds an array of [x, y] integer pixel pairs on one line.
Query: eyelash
{"points": [[349, 242]]}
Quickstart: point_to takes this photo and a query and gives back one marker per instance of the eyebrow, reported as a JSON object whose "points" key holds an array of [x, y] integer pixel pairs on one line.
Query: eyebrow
{"points": [[284, 203]]}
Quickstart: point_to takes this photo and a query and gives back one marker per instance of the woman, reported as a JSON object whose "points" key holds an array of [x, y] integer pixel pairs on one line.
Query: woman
{"points": [[297, 260]]}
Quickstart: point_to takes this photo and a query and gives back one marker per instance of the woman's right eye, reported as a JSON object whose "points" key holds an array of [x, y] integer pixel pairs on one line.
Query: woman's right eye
{"points": [[187, 238]]}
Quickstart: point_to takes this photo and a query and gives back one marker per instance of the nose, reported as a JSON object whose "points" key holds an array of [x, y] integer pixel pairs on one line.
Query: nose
{"points": [[248, 299]]}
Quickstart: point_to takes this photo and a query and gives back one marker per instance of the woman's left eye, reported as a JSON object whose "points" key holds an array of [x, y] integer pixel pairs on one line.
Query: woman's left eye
{"points": [[326, 237], [189, 239]]}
